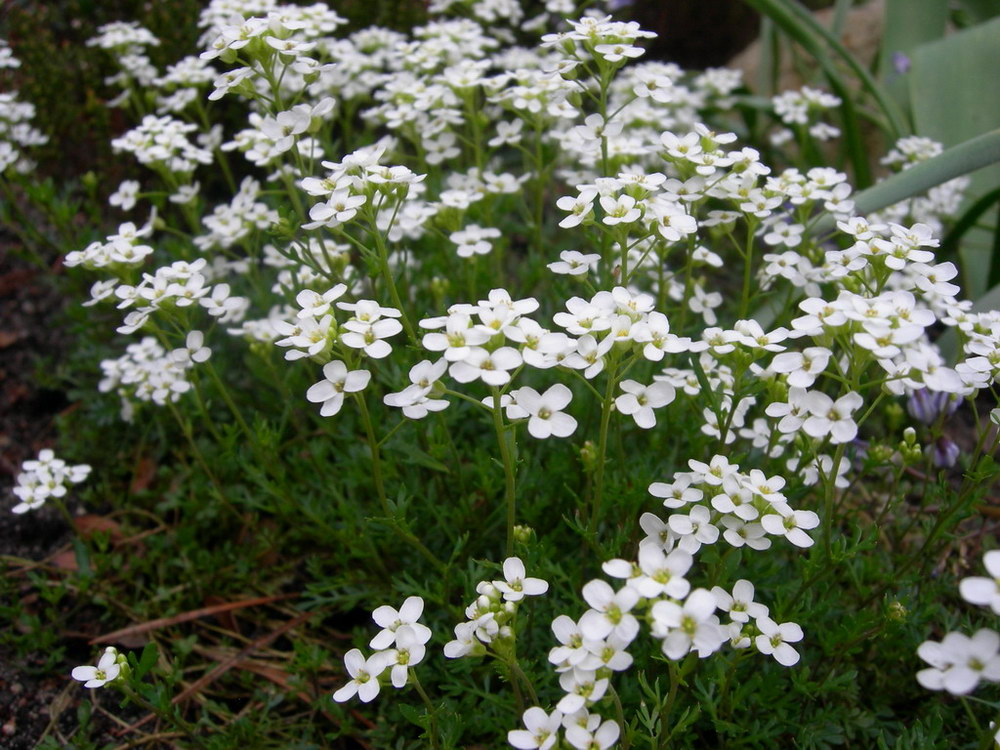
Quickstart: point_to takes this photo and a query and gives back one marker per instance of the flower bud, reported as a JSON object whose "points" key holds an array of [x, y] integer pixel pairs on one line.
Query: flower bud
{"points": [[896, 611], [894, 415], [588, 456], [523, 534], [910, 436], [881, 454]]}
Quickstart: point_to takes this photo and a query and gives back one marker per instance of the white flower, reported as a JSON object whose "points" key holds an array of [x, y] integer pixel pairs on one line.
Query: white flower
{"points": [[493, 368], [740, 605], [831, 417], [774, 640], [621, 210], [574, 263], [465, 640], [474, 240], [336, 382], [541, 730], [125, 196], [516, 586], [610, 613], [790, 524], [581, 686], [391, 620], [688, 626], [194, 349], [315, 305], [107, 670], [958, 662], [802, 367], [639, 400], [984, 591], [604, 736], [364, 675], [409, 652], [662, 573], [546, 417]]}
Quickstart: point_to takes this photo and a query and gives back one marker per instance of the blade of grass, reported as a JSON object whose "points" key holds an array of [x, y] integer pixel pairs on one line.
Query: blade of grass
{"points": [[955, 99], [954, 162], [949, 245], [776, 10], [800, 24]]}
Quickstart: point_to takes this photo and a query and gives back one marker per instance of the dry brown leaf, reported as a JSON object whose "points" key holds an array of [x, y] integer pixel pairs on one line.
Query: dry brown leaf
{"points": [[90, 524]]}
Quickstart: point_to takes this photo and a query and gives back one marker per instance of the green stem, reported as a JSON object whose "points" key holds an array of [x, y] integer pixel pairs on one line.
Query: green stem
{"points": [[509, 469], [200, 458], [663, 736], [404, 534], [747, 269], [383, 258], [602, 448], [431, 710], [189, 730]]}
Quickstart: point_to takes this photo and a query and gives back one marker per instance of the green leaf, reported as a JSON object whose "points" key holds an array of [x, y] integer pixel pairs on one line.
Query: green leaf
{"points": [[907, 25], [957, 161], [799, 23], [967, 221], [956, 98], [147, 660], [977, 11], [82, 558], [414, 715], [413, 455]]}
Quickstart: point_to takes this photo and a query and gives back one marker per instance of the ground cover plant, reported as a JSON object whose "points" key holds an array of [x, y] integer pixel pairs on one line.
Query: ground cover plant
{"points": [[481, 383]]}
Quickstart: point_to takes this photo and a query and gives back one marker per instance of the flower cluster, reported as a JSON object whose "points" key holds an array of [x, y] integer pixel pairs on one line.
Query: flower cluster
{"points": [[45, 477], [149, 373], [16, 131], [399, 645], [803, 108], [959, 662], [491, 615], [717, 496]]}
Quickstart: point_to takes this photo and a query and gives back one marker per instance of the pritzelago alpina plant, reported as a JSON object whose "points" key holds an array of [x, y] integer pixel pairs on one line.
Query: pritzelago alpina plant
{"points": [[499, 289]]}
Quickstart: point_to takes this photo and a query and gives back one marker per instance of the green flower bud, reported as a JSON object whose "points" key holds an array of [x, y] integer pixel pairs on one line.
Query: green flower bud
{"points": [[881, 454], [588, 456], [894, 415], [896, 611]]}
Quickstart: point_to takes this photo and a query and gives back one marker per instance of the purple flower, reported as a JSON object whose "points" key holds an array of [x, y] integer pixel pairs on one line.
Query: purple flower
{"points": [[900, 63], [928, 406], [945, 453]]}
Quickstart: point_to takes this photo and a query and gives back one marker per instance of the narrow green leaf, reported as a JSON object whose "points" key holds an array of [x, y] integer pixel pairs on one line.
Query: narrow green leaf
{"points": [[82, 558], [968, 220], [977, 11], [957, 161], [841, 9], [955, 97], [776, 10], [799, 23]]}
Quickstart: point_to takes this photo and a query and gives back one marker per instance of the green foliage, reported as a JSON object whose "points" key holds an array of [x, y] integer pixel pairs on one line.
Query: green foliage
{"points": [[242, 494]]}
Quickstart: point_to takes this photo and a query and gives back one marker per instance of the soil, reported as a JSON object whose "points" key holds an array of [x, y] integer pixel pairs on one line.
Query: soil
{"points": [[32, 705]]}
